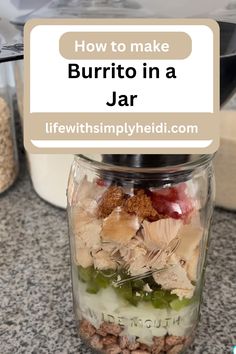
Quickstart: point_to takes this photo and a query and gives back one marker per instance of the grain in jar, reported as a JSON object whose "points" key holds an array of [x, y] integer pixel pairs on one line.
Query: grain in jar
{"points": [[8, 158]]}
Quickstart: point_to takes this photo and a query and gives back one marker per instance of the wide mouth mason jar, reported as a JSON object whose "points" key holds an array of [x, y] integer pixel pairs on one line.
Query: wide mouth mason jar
{"points": [[139, 227]]}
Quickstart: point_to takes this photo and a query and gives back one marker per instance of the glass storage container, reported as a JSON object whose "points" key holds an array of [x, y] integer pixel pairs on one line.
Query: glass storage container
{"points": [[225, 162], [139, 227], [48, 172], [8, 151]]}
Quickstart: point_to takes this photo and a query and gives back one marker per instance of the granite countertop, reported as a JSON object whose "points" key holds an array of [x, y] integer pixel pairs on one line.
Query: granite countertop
{"points": [[35, 285]]}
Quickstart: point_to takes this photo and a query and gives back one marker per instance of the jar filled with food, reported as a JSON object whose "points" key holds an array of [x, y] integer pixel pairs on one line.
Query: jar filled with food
{"points": [[139, 227], [8, 150]]}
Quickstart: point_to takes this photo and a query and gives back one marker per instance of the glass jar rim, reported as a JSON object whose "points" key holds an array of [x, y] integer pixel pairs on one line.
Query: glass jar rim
{"points": [[198, 161]]}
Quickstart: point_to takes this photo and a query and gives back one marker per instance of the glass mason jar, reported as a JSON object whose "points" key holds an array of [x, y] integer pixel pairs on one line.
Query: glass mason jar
{"points": [[8, 151], [139, 227], [50, 184]]}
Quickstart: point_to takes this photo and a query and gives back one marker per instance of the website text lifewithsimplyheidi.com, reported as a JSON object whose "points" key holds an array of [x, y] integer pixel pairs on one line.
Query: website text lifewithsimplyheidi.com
{"points": [[127, 129]]}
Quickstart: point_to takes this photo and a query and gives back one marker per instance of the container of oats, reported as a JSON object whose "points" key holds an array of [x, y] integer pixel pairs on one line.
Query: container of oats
{"points": [[8, 151], [139, 227]]}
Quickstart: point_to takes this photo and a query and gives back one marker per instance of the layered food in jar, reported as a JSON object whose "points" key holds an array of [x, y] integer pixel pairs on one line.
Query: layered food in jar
{"points": [[136, 264]]}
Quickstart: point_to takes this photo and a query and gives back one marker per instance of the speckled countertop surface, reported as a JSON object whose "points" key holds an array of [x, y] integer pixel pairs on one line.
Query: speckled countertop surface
{"points": [[36, 314]]}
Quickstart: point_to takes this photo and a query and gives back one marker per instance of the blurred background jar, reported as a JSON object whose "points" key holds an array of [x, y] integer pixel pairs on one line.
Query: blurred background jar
{"points": [[49, 173], [225, 159], [9, 165], [225, 162]]}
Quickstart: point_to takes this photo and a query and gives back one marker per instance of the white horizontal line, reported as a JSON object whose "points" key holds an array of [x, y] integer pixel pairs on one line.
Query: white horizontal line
{"points": [[123, 144]]}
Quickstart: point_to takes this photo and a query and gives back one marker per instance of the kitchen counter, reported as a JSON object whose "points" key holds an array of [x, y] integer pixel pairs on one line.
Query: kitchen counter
{"points": [[36, 313]]}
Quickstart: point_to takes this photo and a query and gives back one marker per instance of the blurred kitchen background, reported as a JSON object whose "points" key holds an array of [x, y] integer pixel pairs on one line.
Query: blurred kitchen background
{"points": [[49, 173]]}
